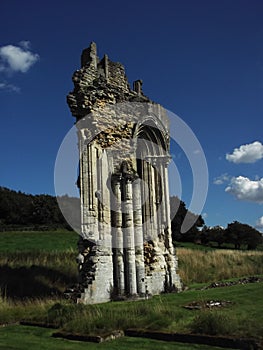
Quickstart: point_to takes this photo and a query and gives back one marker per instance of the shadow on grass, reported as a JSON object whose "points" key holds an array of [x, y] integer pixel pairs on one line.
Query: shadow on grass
{"points": [[32, 282]]}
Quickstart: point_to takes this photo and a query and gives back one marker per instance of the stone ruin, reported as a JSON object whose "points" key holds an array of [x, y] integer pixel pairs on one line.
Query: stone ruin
{"points": [[125, 245]]}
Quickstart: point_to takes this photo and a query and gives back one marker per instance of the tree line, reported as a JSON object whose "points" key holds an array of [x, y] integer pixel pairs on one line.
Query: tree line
{"points": [[236, 235], [41, 212], [26, 211]]}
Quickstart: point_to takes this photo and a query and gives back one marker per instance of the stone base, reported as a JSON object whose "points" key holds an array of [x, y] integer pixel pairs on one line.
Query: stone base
{"points": [[100, 284]]}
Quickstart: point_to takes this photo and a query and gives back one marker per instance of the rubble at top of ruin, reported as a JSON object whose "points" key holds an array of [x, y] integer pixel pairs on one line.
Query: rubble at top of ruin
{"points": [[101, 82]]}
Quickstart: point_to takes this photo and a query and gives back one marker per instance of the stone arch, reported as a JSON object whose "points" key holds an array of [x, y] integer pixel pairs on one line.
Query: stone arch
{"points": [[152, 130], [151, 153]]}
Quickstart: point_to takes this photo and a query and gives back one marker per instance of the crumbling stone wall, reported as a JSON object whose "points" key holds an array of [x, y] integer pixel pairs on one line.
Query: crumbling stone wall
{"points": [[125, 247]]}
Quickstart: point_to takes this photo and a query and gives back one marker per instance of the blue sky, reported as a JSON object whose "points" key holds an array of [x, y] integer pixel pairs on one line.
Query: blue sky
{"points": [[202, 60]]}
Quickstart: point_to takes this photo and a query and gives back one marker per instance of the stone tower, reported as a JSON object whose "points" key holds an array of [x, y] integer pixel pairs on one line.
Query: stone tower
{"points": [[125, 245]]}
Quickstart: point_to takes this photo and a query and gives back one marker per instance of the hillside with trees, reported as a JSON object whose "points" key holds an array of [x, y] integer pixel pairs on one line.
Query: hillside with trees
{"points": [[236, 235], [20, 211], [26, 211]]}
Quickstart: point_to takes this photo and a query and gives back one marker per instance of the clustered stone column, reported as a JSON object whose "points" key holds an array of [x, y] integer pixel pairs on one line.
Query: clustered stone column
{"points": [[129, 269], [117, 237], [138, 232]]}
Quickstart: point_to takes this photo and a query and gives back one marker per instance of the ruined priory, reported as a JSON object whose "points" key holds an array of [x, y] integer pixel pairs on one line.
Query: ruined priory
{"points": [[125, 245]]}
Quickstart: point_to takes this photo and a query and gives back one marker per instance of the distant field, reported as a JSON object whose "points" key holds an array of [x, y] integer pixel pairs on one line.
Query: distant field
{"points": [[38, 240], [196, 266], [212, 246], [44, 254], [62, 240]]}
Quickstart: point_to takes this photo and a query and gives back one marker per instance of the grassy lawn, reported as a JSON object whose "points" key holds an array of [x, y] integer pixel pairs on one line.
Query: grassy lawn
{"points": [[48, 241], [166, 312], [199, 266], [36, 267], [24, 338], [212, 246], [53, 253], [193, 246], [243, 317]]}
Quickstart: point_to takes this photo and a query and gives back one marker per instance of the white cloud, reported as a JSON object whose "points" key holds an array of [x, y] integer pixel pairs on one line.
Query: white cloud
{"points": [[9, 87], [25, 44], [245, 189], [221, 179], [248, 153], [17, 58], [2, 67], [259, 223]]}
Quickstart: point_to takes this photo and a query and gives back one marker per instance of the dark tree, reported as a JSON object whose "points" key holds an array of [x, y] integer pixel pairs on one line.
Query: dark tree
{"points": [[19, 210], [242, 234], [214, 234], [178, 214]]}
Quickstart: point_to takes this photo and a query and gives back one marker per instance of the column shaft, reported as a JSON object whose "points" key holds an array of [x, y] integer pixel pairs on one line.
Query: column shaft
{"points": [[129, 238], [118, 239], [138, 239]]}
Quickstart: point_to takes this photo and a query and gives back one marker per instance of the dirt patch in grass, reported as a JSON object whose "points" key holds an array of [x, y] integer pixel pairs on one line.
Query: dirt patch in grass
{"points": [[208, 304]]}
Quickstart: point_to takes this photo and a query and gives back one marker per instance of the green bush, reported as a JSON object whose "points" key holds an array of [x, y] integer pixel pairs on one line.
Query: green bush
{"points": [[60, 314], [213, 323]]}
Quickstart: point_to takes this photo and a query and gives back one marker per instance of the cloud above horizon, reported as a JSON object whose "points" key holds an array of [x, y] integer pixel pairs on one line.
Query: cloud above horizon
{"points": [[245, 189], [220, 180], [17, 58], [26, 44], [259, 223], [248, 153], [8, 87]]}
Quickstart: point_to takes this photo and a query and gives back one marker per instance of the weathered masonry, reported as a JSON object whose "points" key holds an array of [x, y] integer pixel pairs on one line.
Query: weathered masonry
{"points": [[125, 245]]}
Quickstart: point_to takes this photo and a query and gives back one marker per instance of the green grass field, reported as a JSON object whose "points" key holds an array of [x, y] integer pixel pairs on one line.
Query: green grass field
{"points": [[36, 267], [48, 241], [24, 338]]}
